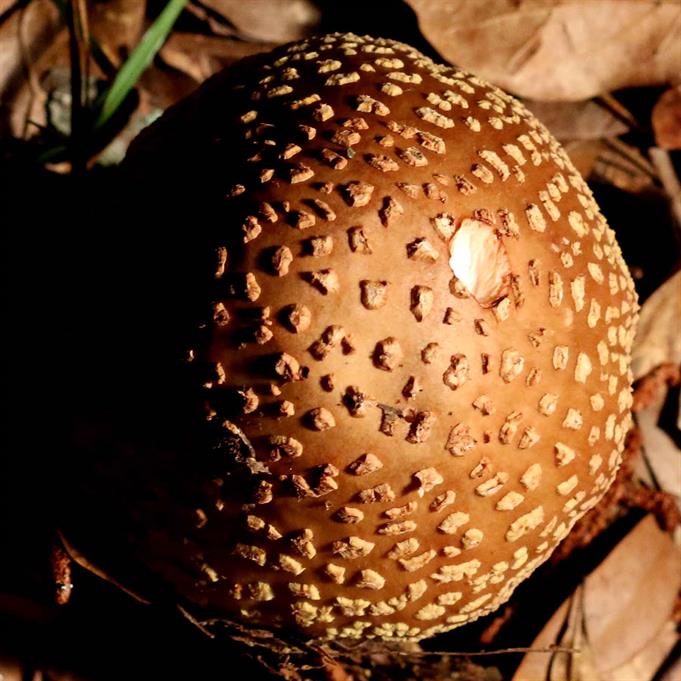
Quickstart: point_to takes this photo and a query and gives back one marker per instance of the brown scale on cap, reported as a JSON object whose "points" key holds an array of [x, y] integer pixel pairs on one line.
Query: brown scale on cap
{"points": [[450, 346]]}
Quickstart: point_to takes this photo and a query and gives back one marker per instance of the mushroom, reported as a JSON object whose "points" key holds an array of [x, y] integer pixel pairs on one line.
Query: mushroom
{"points": [[422, 228]]}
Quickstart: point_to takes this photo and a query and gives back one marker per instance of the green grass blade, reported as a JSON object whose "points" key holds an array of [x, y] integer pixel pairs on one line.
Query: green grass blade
{"points": [[139, 59]]}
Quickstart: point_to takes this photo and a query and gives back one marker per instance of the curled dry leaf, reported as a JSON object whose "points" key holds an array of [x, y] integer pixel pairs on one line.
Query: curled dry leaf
{"points": [[619, 618], [577, 120], [658, 340], [200, 56], [667, 119], [652, 657], [659, 466], [117, 25], [673, 672], [276, 21], [34, 58], [630, 596], [27, 35], [561, 49]]}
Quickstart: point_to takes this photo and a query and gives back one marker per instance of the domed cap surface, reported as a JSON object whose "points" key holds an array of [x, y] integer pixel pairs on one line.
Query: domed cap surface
{"points": [[414, 355]]}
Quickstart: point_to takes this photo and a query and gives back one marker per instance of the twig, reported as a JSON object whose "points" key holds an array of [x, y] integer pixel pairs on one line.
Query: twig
{"points": [[617, 109], [77, 557], [266, 638], [480, 653], [187, 615]]}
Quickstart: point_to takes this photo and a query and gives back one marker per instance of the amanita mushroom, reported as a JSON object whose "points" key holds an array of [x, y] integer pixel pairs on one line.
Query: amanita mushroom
{"points": [[410, 356]]}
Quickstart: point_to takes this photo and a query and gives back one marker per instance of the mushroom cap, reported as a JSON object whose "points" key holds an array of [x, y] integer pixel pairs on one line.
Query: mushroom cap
{"points": [[408, 360]]}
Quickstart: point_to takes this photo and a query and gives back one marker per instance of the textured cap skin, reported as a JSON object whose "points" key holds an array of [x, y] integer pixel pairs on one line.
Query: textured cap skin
{"points": [[412, 353]]}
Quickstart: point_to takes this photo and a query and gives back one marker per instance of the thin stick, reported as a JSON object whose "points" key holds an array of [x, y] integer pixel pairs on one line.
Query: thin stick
{"points": [[194, 621], [554, 648], [607, 101], [548, 649], [480, 653]]}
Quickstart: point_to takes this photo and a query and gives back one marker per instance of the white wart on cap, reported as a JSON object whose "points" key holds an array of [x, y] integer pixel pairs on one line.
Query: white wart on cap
{"points": [[421, 322]]}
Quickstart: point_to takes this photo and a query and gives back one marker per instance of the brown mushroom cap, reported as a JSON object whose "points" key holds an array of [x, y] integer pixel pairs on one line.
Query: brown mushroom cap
{"points": [[415, 356]]}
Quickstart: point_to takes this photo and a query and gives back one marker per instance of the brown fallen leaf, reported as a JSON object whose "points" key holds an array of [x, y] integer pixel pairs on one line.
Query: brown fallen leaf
{"points": [[669, 178], [558, 49], [117, 25], [619, 618], [658, 340], [673, 673], [579, 665], [35, 60], [630, 596], [275, 21], [566, 630], [650, 390], [212, 24], [577, 120], [667, 118], [660, 466], [26, 35], [200, 56], [649, 658]]}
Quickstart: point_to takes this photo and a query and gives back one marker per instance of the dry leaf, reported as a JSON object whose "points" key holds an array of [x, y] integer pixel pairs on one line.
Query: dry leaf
{"points": [[6, 5], [661, 455], [667, 118], [667, 175], [27, 36], [275, 21], [34, 56], [619, 618], [564, 629], [117, 25], [577, 120], [200, 56], [558, 49], [658, 339], [673, 673], [25, 33], [579, 665], [536, 666], [630, 596], [650, 658]]}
